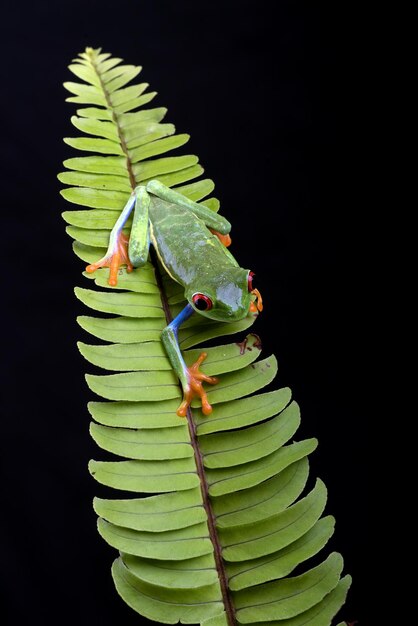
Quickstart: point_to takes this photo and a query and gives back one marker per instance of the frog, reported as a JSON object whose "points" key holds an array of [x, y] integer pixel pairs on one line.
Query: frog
{"points": [[191, 242]]}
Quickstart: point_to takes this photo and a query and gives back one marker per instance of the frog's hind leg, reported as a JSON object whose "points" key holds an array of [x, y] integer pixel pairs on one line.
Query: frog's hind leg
{"points": [[211, 219]]}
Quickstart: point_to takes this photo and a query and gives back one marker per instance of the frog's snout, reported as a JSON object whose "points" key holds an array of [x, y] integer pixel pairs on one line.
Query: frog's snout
{"points": [[257, 304]]}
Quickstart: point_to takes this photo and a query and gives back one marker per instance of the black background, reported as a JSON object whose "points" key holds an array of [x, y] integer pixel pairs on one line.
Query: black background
{"points": [[269, 99]]}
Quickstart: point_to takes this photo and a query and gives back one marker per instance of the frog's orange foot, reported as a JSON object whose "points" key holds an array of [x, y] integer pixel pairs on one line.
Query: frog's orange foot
{"points": [[225, 239], [257, 304], [114, 259], [196, 388]]}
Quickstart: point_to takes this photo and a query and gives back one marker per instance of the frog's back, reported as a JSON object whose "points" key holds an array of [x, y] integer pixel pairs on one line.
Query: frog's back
{"points": [[185, 246]]}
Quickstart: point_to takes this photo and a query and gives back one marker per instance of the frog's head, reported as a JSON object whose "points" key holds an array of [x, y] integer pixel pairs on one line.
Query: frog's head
{"points": [[225, 297]]}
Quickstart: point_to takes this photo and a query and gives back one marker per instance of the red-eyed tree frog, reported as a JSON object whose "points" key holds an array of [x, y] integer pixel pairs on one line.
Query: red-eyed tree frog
{"points": [[191, 242]]}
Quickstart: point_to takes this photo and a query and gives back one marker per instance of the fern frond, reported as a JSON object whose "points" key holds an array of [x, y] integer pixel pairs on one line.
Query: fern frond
{"points": [[218, 529]]}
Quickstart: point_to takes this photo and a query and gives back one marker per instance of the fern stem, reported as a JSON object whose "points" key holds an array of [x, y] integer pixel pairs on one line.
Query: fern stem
{"points": [[217, 550], [116, 121], [223, 579]]}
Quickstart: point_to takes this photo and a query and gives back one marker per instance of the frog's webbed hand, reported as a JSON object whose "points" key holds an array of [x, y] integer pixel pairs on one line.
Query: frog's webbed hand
{"points": [[190, 377], [117, 253], [257, 304]]}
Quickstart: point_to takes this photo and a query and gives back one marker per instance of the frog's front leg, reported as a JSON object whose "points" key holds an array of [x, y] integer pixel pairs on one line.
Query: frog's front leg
{"points": [[190, 377], [117, 253]]}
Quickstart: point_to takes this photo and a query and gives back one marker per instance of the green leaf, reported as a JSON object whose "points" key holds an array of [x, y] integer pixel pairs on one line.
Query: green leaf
{"points": [[96, 181], [98, 165], [167, 606], [158, 146], [286, 598], [123, 329], [175, 545], [157, 167], [103, 146], [279, 564], [91, 126], [105, 64], [85, 94], [88, 254], [96, 198], [176, 178], [217, 620], [322, 613], [139, 280], [186, 574], [122, 357], [135, 386], [140, 134], [267, 536], [86, 73], [96, 113], [244, 412], [212, 203], [236, 384], [150, 445], [228, 480], [132, 304], [228, 449], [146, 476], [167, 511], [131, 119], [226, 358], [92, 219], [135, 103], [262, 501], [136, 414], [121, 70], [197, 191], [90, 237], [115, 79], [121, 96]]}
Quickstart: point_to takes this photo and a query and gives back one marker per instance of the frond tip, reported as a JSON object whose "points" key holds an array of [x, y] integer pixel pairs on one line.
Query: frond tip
{"points": [[219, 529]]}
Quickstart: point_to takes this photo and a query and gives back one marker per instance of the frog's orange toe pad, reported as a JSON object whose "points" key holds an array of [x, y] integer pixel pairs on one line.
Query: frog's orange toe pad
{"points": [[114, 260], [196, 388]]}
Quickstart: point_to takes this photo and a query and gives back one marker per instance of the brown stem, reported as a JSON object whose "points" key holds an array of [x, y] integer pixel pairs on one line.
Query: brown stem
{"points": [[120, 133]]}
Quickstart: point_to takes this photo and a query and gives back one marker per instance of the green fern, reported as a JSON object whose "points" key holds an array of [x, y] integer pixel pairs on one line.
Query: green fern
{"points": [[219, 540]]}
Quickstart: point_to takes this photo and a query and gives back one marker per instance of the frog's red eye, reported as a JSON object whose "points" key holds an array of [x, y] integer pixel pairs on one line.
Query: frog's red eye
{"points": [[201, 302], [251, 281]]}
